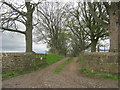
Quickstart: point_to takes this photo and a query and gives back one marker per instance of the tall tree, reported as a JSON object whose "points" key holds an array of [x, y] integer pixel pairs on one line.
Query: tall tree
{"points": [[113, 11], [78, 36], [51, 22], [84, 26], [15, 14], [94, 30]]}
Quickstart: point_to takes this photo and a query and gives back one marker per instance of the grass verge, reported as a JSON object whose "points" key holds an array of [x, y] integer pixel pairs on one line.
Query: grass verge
{"points": [[60, 67], [80, 59], [100, 75], [50, 59], [11, 74]]}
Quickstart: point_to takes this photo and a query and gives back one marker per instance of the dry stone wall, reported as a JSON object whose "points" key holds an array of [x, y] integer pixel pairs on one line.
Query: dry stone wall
{"points": [[101, 62], [18, 61]]}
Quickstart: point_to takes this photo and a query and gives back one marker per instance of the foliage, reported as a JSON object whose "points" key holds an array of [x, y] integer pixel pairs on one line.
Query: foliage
{"points": [[51, 27], [84, 26], [61, 24]]}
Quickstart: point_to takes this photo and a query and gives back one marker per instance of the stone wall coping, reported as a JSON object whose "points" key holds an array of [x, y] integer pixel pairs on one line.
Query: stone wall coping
{"points": [[100, 53]]}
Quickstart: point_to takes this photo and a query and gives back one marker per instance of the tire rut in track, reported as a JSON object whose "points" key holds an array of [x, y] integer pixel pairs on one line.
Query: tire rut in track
{"points": [[31, 80], [69, 77]]}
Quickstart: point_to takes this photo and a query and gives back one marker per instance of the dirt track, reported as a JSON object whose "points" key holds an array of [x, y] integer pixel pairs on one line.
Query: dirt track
{"points": [[69, 77]]}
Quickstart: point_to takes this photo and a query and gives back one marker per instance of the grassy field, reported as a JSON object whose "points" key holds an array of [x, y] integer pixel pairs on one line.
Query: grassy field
{"points": [[100, 75], [60, 67], [49, 59], [52, 58]]}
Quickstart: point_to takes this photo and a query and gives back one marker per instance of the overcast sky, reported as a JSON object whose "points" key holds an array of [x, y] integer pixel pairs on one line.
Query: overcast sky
{"points": [[15, 42]]}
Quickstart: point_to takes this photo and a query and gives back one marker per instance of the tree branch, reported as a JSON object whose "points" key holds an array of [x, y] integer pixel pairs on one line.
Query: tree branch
{"points": [[107, 6], [10, 5], [94, 15], [12, 30]]}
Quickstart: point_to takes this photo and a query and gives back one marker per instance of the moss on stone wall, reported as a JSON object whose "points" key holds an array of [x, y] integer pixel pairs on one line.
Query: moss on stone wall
{"points": [[101, 62], [18, 61]]}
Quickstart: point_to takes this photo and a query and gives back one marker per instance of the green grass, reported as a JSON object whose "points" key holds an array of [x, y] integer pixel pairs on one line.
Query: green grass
{"points": [[60, 67], [80, 59], [11, 74], [100, 75], [87, 72], [40, 55], [50, 59]]}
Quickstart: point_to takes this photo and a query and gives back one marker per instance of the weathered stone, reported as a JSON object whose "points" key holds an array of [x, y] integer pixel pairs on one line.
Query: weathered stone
{"points": [[101, 62], [18, 61]]}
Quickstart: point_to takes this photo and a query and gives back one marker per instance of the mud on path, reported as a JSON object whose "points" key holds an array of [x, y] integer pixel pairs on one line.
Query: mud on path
{"points": [[69, 77]]}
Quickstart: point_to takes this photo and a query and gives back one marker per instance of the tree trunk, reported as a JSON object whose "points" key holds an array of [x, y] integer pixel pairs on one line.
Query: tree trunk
{"points": [[93, 45], [28, 39], [119, 29], [29, 28], [98, 48], [114, 27]]}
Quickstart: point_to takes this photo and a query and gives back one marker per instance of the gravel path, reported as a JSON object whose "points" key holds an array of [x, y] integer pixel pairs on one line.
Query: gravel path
{"points": [[69, 77]]}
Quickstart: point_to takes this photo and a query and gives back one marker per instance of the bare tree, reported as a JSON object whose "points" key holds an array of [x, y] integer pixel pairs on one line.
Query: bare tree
{"points": [[50, 15], [15, 14]]}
